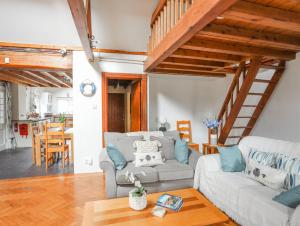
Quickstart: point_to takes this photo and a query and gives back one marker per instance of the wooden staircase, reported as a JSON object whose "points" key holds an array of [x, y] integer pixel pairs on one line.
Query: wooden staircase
{"points": [[237, 114]]}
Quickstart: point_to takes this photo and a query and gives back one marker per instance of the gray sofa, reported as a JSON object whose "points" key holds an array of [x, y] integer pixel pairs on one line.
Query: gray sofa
{"points": [[170, 176]]}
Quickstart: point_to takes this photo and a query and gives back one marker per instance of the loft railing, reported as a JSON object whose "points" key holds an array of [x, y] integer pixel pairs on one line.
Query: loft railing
{"points": [[165, 17]]}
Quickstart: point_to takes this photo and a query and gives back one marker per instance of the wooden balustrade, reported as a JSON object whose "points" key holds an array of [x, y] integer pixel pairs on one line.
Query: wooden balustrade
{"points": [[230, 98], [165, 17]]}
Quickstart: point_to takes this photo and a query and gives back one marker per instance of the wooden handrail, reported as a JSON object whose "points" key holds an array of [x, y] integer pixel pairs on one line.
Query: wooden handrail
{"points": [[233, 86]]}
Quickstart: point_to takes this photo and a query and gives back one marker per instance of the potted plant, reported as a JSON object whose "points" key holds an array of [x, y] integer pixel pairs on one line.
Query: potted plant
{"points": [[137, 196], [212, 125], [62, 118]]}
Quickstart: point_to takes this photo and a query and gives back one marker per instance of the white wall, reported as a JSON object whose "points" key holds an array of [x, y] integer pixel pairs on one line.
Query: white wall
{"points": [[88, 110], [186, 98], [280, 118]]}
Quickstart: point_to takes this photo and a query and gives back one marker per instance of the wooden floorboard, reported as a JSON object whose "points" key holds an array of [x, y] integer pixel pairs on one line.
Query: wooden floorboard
{"points": [[50, 200]]}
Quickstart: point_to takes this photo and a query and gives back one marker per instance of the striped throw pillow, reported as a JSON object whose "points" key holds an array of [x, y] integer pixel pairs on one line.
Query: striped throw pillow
{"points": [[292, 167], [264, 158]]}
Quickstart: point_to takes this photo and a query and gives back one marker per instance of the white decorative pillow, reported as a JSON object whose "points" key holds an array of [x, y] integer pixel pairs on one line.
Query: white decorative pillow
{"points": [[146, 146], [272, 178], [148, 159]]}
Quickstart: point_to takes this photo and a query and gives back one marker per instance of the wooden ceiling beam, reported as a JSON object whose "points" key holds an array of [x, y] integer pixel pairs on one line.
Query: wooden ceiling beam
{"points": [[41, 61], [80, 19], [248, 12], [250, 36], [193, 62], [26, 78], [63, 80], [217, 46], [41, 76], [182, 72], [200, 14], [188, 68], [88, 8], [205, 55], [56, 78], [13, 79], [35, 78]]}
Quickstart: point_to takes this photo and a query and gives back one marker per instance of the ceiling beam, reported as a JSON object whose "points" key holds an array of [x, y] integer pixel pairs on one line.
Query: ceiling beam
{"points": [[264, 15], [13, 79], [250, 36], [89, 17], [35, 78], [192, 69], [26, 78], [38, 74], [200, 14], [182, 72], [204, 55], [44, 61], [180, 67], [217, 46], [80, 20], [56, 78], [193, 62]]}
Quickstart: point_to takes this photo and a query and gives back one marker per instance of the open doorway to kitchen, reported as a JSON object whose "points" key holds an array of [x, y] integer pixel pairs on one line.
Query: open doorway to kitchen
{"points": [[124, 98]]}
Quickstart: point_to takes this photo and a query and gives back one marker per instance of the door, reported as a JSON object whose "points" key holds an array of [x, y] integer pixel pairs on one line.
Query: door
{"points": [[116, 112], [135, 106], [2, 119]]}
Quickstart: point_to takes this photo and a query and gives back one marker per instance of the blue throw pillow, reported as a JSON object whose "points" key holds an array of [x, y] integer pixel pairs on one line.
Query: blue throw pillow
{"points": [[231, 159], [182, 151], [116, 157], [290, 198]]}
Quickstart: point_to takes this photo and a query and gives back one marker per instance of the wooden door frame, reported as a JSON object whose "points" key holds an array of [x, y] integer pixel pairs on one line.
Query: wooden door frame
{"points": [[124, 76]]}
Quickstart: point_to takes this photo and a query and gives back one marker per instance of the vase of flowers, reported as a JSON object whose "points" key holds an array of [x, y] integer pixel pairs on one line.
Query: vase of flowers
{"points": [[212, 125], [138, 195]]}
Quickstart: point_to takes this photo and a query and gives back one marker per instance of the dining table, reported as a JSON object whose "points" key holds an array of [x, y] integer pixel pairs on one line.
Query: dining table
{"points": [[40, 137]]}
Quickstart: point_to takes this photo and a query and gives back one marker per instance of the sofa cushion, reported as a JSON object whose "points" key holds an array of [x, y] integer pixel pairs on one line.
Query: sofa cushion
{"points": [[290, 198], [182, 151], [150, 177], [173, 170], [167, 146], [264, 158], [173, 134], [231, 159], [116, 156], [257, 207], [125, 146], [112, 137]]}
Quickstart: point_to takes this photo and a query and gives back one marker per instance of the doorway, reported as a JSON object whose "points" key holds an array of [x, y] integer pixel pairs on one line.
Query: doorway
{"points": [[124, 106], [2, 118]]}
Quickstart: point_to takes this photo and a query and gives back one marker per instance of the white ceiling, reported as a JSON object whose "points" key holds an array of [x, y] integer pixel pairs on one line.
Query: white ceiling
{"points": [[117, 24]]}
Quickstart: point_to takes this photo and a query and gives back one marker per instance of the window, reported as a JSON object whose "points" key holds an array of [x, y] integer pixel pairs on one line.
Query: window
{"points": [[2, 107]]}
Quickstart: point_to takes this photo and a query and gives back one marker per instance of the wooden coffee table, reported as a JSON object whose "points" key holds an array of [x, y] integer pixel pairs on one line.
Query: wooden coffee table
{"points": [[196, 210]]}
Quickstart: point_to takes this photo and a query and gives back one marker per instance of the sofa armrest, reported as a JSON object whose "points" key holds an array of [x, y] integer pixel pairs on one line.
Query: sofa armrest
{"points": [[110, 174], [193, 158], [210, 163], [295, 217], [206, 164]]}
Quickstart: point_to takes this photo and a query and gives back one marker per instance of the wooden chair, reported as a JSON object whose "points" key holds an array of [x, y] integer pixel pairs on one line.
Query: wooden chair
{"points": [[69, 122], [35, 129], [185, 130], [55, 142]]}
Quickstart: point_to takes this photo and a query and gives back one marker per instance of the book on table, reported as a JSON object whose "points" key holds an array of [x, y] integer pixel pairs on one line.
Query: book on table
{"points": [[170, 201]]}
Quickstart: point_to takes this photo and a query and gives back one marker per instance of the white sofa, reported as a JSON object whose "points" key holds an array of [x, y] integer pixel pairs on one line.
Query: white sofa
{"points": [[246, 201]]}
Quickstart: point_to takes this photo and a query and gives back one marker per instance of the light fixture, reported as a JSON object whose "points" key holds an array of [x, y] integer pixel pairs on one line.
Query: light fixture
{"points": [[220, 17]]}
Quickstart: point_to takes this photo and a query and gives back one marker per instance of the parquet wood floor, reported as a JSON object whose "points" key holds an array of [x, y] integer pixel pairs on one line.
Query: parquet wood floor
{"points": [[50, 200]]}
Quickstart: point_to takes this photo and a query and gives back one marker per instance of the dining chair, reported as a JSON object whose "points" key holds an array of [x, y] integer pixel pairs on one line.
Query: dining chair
{"points": [[36, 129], [184, 128], [55, 142], [69, 122]]}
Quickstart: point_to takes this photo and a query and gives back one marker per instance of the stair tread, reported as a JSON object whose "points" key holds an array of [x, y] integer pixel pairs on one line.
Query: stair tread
{"points": [[256, 94], [242, 127], [262, 80], [249, 105]]}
